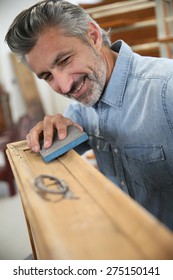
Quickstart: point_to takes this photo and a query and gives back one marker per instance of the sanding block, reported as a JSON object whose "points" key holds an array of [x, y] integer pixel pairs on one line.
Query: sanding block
{"points": [[74, 137]]}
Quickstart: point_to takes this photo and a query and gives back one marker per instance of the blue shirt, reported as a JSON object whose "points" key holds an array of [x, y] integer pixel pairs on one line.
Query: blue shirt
{"points": [[131, 129]]}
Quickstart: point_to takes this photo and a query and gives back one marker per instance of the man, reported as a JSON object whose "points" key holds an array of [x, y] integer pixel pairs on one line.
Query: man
{"points": [[130, 119]]}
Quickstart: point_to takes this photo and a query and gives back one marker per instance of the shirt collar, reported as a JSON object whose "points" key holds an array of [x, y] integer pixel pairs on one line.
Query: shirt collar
{"points": [[115, 89]]}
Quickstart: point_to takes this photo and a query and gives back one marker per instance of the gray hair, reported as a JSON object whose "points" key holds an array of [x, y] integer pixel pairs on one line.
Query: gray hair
{"points": [[30, 23]]}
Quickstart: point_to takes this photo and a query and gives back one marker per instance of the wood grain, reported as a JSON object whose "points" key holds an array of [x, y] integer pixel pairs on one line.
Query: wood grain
{"points": [[98, 222]]}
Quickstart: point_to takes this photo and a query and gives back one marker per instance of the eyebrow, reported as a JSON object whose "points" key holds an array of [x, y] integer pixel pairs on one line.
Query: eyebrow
{"points": [[56, 61]]}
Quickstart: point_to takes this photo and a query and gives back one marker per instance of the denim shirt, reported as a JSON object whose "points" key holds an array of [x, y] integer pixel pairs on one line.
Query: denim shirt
{"points": [[131, 129]]}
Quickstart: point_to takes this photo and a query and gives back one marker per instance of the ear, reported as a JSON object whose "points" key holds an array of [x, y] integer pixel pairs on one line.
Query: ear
{"points": [[95, 35]]}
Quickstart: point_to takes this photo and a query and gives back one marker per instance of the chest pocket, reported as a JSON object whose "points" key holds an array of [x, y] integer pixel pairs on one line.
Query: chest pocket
{"points": [[147, 166]]}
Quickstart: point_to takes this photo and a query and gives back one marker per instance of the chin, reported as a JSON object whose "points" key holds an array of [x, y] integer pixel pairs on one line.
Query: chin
{"points": [[89, 103], [90, 98]]}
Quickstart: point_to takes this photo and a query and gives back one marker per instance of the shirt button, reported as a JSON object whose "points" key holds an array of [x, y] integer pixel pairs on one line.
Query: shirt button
{"points": [[122, 183], [116, 151]]}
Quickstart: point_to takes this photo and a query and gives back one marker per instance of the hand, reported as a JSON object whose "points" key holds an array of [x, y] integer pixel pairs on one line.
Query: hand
{"points": [[47, 126]]}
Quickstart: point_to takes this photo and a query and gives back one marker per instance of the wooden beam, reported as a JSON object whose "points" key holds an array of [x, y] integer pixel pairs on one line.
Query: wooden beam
{"points": [[28, 89], [120, 8], [93, 220]]}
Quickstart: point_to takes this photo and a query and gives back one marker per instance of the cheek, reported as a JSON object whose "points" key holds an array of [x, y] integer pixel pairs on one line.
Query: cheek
{"points": [[83, 63]]}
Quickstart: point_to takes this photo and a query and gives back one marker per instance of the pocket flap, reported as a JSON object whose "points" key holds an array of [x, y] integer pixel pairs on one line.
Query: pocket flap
{"points": [[144, 153]]}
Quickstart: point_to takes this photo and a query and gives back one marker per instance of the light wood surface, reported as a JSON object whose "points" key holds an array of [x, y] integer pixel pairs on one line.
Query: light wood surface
{"points": [[28, 89], [98, 221]]}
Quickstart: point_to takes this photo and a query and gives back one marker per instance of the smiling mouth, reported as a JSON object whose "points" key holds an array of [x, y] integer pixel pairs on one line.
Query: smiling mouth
{"points": [[76, 87], [80, 86]]}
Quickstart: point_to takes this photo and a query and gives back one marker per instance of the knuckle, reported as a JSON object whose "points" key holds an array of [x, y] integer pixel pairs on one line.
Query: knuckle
{"points": [[59, 117], [46, 118]]}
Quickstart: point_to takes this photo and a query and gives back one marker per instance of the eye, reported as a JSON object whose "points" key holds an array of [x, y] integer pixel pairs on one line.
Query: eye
{"points": [[47, 77], [64, 61]]}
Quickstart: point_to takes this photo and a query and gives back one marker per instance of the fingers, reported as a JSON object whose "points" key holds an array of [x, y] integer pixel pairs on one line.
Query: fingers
{"points": [[48, 130], [47, 127], [33, 137], [61, 123]]}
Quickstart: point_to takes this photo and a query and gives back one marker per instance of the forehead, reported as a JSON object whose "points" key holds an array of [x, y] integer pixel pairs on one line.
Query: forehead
{"points": [[53, 37], [51, 42], [50, 35]]}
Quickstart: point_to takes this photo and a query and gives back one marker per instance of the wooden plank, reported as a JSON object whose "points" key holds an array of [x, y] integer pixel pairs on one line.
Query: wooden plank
{"points": [[120, 7], [152, 49], [127, 19], [29, 89], [168, 39], [141, 36], [5, 111], [103, 2], [98, 221]]}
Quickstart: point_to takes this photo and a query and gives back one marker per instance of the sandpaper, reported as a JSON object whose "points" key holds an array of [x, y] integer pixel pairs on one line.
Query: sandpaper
{"points": [[74, 137]]}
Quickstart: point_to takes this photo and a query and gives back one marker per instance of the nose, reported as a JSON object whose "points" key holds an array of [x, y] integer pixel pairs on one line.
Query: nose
{"points": [[61, 82]]}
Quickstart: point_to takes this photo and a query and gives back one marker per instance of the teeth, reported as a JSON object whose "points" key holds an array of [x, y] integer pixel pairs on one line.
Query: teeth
{"points": [[79, 87]]}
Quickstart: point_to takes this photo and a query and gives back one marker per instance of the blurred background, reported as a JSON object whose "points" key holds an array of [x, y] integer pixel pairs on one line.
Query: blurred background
{"points": [[146, 25]]}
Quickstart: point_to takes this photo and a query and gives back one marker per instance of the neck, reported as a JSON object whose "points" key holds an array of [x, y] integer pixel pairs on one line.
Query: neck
{"points": [[110, 59]]}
